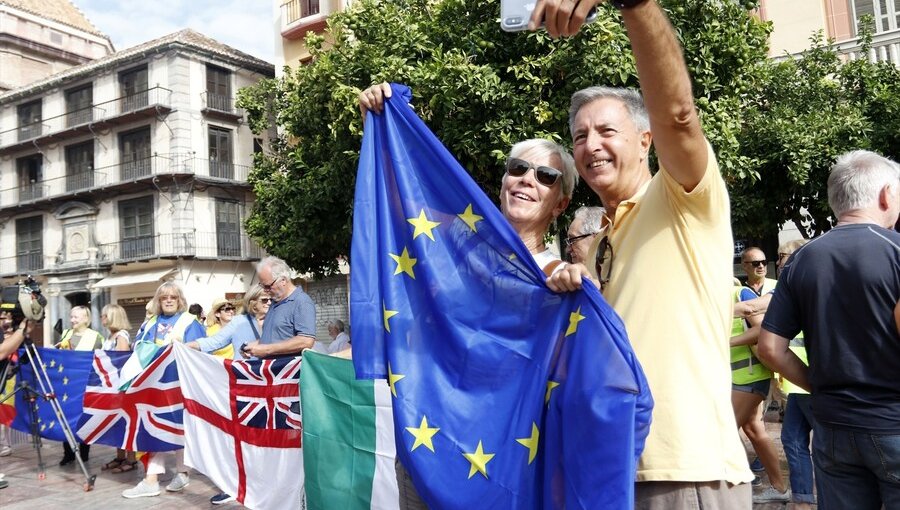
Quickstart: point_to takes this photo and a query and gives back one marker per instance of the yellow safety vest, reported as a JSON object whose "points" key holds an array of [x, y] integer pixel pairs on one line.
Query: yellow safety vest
{"points": [[798, 345], [90, 340], [746, 368]]}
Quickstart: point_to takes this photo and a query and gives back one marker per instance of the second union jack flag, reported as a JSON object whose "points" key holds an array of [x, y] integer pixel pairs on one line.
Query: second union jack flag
{"points": [[145, 417]]}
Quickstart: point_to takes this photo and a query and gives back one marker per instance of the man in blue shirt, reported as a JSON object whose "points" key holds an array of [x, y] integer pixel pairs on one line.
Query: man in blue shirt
{"points": [[290, 326]]}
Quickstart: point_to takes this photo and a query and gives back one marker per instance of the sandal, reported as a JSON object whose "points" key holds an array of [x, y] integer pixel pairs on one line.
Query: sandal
{"points": [[113, 464], [125, 467]]}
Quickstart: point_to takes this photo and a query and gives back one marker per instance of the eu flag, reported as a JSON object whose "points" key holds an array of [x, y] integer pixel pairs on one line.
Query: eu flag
{"points": [[505, 394], [68, 374]]}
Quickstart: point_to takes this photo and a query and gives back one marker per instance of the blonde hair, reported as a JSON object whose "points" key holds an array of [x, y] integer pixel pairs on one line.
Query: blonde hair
{"points": [[154, 306], [252, 296], [211, 319], [86, 310], [116, 318]]}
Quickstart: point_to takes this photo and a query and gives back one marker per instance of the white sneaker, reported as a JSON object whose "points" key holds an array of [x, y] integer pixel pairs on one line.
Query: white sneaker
{"points": [[771, 494], [142, 490], [178, 483], [5, 451]]}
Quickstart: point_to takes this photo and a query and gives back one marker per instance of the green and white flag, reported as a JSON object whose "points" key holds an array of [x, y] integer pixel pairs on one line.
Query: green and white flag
{"points": [[348, 437]]}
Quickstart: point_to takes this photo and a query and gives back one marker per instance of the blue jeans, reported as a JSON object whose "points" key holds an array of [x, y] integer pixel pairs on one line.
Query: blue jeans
{"points": [[856, 470], [798, 422]]}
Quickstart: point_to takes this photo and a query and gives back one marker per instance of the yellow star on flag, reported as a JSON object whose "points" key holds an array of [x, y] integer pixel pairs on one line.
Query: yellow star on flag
{"points": [[392, 380], [387, 315], [43, 428], [65, 397], [423, 225], [470, 218], [423, 434], [52, 423], [65, 381], [479, 461], [52, 363], [60, 368], [531, 442], [574, 318], [551, 385], [405, 263]]}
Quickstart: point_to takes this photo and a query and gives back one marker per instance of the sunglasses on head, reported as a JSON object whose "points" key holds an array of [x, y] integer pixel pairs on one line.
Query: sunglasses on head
{"points": [[546, 175], [755, 263]]}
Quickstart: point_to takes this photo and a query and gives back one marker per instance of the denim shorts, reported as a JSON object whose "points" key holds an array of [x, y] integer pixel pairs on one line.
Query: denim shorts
{"points": [[761, 388]]}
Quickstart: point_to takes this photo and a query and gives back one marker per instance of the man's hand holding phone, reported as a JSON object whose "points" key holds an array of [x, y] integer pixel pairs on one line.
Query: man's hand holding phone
{"points": [[562, 17]]}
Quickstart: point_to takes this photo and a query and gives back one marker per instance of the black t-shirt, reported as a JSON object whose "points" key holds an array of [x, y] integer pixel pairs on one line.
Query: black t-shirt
{"points": [[841, 290]]}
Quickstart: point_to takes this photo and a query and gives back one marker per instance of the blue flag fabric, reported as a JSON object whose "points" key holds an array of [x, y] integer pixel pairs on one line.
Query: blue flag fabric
{"points": [[68, 372], [506, 395]]}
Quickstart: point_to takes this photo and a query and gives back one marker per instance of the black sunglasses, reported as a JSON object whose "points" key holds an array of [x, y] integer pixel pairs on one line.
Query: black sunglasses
{"points": [[572, 240], [755, 263], [604, 259], [545, 175]]}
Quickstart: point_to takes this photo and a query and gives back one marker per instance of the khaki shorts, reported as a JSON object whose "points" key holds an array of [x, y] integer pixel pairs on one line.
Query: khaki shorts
{"points": [[717, 495]]}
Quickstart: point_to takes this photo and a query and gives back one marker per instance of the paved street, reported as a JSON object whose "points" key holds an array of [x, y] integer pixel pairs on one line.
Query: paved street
{"points": [[62, 488]]}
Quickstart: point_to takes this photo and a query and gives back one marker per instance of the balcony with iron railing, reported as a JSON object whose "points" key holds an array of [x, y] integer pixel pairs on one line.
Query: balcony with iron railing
{"points": [[301, 16], [122, 174], [221, 107], [205, 245], [295, 10], [141, 104], [201, 245]]}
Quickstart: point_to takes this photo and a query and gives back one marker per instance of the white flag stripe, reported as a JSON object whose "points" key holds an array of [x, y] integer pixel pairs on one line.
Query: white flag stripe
{"points": [[385, 494]]}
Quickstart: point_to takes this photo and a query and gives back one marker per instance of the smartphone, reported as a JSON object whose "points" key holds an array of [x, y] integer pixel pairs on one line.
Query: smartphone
{"points": [[515, 14]]}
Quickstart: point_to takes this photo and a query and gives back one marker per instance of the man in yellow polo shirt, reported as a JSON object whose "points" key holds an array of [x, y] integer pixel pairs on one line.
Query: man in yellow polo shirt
{"points": [[665, 259]]}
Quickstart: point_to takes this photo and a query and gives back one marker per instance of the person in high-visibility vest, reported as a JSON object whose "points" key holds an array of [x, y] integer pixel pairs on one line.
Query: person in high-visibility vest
{"points": [[169, 322], [751, 380], [80, 337]]}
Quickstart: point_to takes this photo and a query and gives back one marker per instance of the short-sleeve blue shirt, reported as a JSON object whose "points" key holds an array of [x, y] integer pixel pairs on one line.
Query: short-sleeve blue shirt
{"points": [[292, 316]]}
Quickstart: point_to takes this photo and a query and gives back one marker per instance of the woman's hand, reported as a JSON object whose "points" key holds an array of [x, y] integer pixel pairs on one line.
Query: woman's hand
{"points": [[372, 99]]}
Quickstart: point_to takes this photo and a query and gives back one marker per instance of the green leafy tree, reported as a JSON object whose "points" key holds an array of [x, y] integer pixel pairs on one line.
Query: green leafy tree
{"points": [[478, 88], [805, 113]]}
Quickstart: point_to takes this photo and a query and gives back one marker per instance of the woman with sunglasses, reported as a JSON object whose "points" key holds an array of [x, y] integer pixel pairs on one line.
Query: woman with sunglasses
{"points": [[220, 315], [245, 328], [535, 188]]}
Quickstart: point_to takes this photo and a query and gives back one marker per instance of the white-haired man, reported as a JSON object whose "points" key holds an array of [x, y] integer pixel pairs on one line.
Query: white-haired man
{"points": [[668, 234], [584, 228], [843, 291], [290, 325]]}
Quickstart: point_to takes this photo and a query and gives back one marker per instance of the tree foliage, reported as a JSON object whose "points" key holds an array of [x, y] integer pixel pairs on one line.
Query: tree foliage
{"points": [[478, 88], [805, 113]]}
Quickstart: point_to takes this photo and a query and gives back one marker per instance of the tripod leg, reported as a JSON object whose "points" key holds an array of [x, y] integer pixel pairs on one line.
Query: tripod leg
{"points": [[50, 396], [35, 431]]}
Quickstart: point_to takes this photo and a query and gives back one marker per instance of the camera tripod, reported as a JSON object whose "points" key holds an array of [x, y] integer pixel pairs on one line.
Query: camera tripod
{"points": [[31, 395]]}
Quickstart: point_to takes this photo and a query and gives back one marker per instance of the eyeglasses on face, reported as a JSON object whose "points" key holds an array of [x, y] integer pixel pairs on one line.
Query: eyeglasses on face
{"points": [[545, 175], [604, 261], [756, 263], [268, 286], [168, 298], [572, 240], [265, 300], [227, 309]]}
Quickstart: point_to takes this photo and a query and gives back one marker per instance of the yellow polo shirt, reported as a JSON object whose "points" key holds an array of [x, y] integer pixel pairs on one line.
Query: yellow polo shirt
{"points": [[670, 281]]}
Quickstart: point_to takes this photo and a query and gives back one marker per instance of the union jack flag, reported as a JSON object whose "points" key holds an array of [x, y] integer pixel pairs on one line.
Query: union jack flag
{"points": [[251, 411], [267, 393], [145, 417]]}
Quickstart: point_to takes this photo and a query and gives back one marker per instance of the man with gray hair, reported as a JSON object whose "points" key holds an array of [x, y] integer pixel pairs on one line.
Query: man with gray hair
{"points": [[290, 325], [340, 340], [843, 291], [667, 234], [584, 228]]}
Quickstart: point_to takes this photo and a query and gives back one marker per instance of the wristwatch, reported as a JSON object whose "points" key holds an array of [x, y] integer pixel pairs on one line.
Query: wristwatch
{"points": [[626, 4]]}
